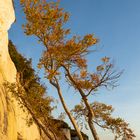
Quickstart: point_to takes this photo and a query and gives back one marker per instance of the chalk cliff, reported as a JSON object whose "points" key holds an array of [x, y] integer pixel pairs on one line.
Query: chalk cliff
{"points": [[12, 117]]}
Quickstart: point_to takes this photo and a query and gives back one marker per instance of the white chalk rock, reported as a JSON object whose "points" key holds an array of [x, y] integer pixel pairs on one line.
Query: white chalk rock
{"points": [[12, 117]]}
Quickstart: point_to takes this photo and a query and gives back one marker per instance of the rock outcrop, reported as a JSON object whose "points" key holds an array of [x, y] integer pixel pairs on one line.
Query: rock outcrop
{"points": [[12, 118]]}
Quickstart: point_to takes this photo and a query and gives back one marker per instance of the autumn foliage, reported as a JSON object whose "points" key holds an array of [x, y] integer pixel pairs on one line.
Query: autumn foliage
{"points": [[64, 57]]}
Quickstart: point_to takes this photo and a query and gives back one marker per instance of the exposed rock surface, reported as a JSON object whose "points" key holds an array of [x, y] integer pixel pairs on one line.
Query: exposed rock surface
{"points": [[12, 117]]}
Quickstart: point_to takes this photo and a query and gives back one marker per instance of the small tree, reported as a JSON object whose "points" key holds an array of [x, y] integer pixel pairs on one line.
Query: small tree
{"points": [[46, 21], [103, 118]]}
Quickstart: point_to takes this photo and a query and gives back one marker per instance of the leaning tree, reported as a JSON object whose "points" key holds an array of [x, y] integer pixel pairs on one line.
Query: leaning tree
{"points": [[65, 56]]}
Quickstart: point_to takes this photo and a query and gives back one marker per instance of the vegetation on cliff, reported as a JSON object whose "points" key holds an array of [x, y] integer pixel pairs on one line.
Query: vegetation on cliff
{"points": [[32, 96]]}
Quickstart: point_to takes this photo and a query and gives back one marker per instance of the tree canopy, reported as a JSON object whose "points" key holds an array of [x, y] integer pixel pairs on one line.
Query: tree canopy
{"points": [[65, 56]]}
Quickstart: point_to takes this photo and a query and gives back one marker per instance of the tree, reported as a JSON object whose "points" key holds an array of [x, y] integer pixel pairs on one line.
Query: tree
{"points": [[103, 118], [46, 20], [51, 18]]}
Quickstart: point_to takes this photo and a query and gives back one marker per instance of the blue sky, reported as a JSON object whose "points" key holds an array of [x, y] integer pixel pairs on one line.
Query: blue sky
{"points": [[117, 25]]}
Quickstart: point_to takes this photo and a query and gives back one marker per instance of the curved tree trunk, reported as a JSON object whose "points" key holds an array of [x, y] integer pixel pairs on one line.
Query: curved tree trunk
{"points": [[67, 111]]}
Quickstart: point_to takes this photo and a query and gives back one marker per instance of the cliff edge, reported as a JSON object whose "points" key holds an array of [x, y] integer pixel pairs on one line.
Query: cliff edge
{"points": [[12, 118]]}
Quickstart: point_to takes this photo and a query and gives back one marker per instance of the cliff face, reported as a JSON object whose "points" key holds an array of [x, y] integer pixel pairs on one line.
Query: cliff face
{"points": [[12, 118]]}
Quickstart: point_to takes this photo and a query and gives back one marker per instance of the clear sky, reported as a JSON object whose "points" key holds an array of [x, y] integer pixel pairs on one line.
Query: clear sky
{"points": [[117, 25]]}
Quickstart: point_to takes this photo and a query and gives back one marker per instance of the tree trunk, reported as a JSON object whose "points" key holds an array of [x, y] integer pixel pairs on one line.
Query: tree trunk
{"points": [[90, 118], [67, 111], [90, 111], [92, 128]]}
